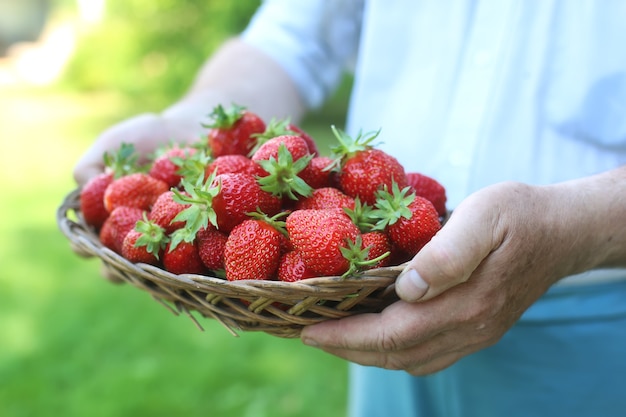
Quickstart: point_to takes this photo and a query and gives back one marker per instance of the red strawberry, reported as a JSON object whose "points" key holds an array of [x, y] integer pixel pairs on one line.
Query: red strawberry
{"points": [[211, 244], [307, 138], [240, 194], [231, 131], [135, 190], [409, 220], [292, 268], [430, 189], [325, 198], [183, 259], [281, 128], [232, 164], [118, 164], [223, 201], [378, 244], [284, 158], [252, 251], [164, 210], [166, 166], [92, 199], [121, 221], [144, 243], [318, 174], [319, 236], [364, 169], [296, 146]]}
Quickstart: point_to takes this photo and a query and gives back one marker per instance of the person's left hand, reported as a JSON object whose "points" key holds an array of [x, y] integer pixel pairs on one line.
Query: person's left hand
{"points": [[502, 248]]}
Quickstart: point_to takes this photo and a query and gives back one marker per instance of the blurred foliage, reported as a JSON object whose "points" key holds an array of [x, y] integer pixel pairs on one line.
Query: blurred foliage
{"points": [[149, 50]]}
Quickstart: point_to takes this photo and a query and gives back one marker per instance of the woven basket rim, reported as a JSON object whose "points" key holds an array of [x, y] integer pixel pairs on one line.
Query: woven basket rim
{"points": [[199, 291]]}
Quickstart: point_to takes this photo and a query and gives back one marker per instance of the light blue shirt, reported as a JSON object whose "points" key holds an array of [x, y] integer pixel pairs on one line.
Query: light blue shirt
{"points": [[469, 92]]}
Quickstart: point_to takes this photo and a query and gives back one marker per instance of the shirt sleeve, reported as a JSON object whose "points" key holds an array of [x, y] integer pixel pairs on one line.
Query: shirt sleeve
{"points": [[315, 41]]}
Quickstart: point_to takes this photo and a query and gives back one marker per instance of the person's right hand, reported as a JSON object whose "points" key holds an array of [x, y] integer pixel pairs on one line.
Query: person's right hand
{"points": [[146, 132]]}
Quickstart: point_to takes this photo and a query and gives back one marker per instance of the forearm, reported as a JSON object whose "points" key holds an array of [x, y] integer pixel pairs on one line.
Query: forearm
{"points": [[239, 73], [592, 219]]}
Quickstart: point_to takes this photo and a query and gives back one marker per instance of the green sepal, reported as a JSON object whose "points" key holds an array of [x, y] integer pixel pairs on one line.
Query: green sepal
{"points": [[392, 206], [153, 236], [221, 118], [357, 257], [361, 215], [123, 161], [199, 196], [273, 129], [282, 179]]}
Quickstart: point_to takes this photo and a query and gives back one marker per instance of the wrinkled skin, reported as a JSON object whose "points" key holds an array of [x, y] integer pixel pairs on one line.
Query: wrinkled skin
{"points": [[500, 251]]}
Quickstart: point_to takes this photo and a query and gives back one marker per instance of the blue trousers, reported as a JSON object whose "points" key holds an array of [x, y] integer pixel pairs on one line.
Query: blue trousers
{"points": [[566, 356]]}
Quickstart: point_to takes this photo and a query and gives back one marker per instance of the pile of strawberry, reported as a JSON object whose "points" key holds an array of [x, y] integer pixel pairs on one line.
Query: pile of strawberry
{"points": [[257, 201]]}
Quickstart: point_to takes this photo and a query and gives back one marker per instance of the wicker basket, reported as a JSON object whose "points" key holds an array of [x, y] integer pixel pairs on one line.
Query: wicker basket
{"points": [[278, 308]]}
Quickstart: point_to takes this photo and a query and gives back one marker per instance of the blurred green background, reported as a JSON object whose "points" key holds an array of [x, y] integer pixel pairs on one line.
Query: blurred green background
{"points": [[71, 343]]}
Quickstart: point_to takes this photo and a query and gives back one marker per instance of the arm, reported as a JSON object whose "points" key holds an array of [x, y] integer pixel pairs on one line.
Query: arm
{"points": [[236, 73], [503, 248]]}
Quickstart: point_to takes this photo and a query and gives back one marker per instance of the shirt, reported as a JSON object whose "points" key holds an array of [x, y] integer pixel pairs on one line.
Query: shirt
{"points": [[469, 92]]}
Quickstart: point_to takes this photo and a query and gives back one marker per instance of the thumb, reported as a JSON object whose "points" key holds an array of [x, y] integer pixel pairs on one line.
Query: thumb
{"points": [[449, 258]]}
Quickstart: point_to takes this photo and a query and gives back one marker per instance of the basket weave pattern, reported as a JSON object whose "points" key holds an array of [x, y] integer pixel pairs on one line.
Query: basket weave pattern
{"points": [[275, 307]]}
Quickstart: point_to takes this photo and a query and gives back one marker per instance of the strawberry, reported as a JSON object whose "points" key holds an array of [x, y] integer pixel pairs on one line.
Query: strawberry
{"points": [[120, 163], [284, 158], [240, 194], [183, 259], [409, 220], [232, 164], [223, 201], [135, 190], [280, 128], [231, 131], [144, 243], [363, 168], [166, 166], [164, 210], [377, 244], [121, 221], [325, 198], [291, 268], [211, 244], [319, 236], [318, 174], [92, 199], [430, 189], [252, 251]]}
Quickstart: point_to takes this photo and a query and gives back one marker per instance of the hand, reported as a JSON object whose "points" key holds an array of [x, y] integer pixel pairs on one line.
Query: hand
{"points": [[499, 252], [146, 132]]}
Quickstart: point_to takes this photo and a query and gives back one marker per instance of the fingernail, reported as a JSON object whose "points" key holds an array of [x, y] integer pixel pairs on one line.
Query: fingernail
{"points": [[309, 342], [410, 286]]}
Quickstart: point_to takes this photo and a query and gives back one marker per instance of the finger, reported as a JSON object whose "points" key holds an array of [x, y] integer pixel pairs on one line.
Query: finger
{"points": [[451, 256], [436, 365], [435, 354], [145, 132], [399, 326]]}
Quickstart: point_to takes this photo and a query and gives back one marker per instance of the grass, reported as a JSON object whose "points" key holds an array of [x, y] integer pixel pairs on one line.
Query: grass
{"points": [[74, 344]]}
